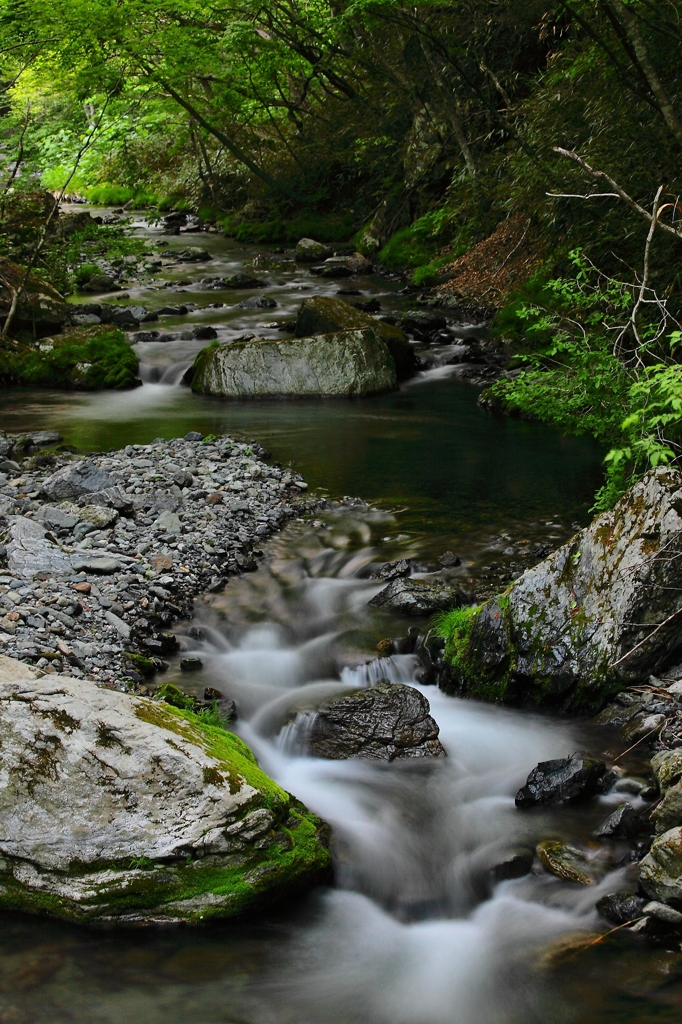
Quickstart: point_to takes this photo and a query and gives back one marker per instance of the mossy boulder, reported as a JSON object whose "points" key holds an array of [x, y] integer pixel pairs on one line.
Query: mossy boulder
{"points": [[597, 615], [323, 315], [347, 363], [82, 359], [123, 810], [40, 307]]}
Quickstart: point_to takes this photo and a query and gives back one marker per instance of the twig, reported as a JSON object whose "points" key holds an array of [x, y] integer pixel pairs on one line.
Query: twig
{"points": [[595, 942], [646, 638], [645, 273], [641, 738], [618, 189]]}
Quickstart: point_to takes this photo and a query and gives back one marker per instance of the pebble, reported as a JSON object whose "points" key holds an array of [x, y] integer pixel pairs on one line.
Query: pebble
{"points": [[135, 554]]}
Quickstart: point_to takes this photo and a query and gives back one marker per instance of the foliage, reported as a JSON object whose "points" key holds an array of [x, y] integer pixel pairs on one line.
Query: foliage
{"points": [[588, 374], [83, 359]]}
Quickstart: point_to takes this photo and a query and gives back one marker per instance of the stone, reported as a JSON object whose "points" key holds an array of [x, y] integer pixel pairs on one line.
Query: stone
{"points": [[77, 478], [569, 633], [111, 497], [385, 722], [660, 872], [167, 820], [168, 522], [343, 266], [242, 280], [57, 518], [449, 559], [98, 516], [257, 302], [99, 283], [661, 912], [422, 323], [620, 907], [310, 251], [393, 570], [515, 864], [350, 363], [667, 768], [323, 315], [624, 823], [36, 440], [30, 551], [668, 813], [193, 435], [564, 861], [99, 565], [121, 627], [191, 664], [562, 781], [418, 597]]}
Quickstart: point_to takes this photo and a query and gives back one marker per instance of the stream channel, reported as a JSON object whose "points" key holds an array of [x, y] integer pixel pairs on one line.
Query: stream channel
{"points": [[414, 930]]}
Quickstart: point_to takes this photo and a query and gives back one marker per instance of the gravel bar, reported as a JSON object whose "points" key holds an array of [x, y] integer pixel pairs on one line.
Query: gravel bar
{"points": [[100, 554]]}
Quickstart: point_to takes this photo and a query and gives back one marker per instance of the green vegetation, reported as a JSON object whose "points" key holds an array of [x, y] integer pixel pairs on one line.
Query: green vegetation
{"points": [[86, 359]]}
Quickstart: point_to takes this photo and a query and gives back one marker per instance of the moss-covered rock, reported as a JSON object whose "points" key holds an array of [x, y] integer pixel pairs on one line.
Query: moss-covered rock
{"points": [[82, 359], [597, 615], [347, 363], [323, 315], [128, 811]]}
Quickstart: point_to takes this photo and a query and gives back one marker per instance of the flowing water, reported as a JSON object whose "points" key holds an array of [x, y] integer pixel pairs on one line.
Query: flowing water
{"points": [[415, 930]]}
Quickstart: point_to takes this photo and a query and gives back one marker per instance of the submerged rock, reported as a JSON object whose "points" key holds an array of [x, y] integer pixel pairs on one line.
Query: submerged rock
{"points": [[565, 862], [351, 363], [562, 781], [384, 722], [418, 597], [122, 810], [323, 315], [599, 613]]}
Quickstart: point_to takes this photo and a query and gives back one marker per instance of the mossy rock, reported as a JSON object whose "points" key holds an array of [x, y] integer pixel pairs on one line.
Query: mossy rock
{"points": [[81, 359], [323, 315], [124, 810]]}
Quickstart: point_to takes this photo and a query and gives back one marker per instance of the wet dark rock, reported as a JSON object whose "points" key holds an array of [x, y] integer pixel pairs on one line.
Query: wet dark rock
{"points": [[385, 722], [193, 255], [99, 283], [392, 570], [241, 280], [204, 333], [624, 823], [562, 781], [160, 643], [422, 323], [418, 597], [257, 302], [449, 559], [620, 907], [77, 478], [173, 311], [515, 864], [191, 664]]}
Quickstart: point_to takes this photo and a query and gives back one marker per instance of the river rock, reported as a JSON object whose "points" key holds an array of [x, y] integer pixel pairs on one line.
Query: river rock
{"points": [[620, 907], [351, 363], [668, 813], [562, 781], [77, 478], [570, 632], [660, 872], [257, 302], [385, 722], [40, 306], [564, 861], [343, 266], [29, 550], [418, 597], [310, 251], [622, 824], [323, 315], [121, 810], [241, 280], [667, 768]]}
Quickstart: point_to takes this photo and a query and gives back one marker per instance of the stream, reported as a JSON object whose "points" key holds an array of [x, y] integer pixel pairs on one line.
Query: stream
{"points": [[417, 928]]}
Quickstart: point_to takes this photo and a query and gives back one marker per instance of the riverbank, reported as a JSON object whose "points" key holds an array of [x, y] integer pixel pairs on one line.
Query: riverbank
{"points": [[104, 552]]}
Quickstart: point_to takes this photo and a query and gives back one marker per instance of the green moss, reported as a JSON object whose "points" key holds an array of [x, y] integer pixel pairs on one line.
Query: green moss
{"points": [[145, 666], [335, 228], [84, 359], [172, 694]]}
